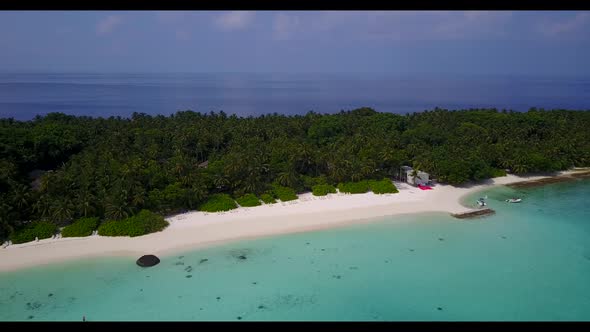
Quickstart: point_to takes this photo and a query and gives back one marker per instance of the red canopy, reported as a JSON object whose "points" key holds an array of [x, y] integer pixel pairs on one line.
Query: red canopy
{"points": [[424, 187]]}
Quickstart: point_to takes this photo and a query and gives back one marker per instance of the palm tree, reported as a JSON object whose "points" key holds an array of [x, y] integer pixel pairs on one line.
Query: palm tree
{"points": [[20, 196], [196, 193], [288, 178], [116, 209], [5, 219], [138, 198], [85, 204], [414, 174], [367, 169], [338, 170], [356, 170], [62, 210], [220, 181], [303, 158], [42, 207]]}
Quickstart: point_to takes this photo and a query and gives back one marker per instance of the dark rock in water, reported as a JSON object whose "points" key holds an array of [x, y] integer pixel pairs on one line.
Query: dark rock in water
{"points": [[189, 276], [203, 260], [307, 243], [254, 283], [179, 263], [31, 317], [200, 308], [239, 317], [441, 239], [218, 298], [261, 307], [412, 250], [141, 290], [148, 260], [336, 276], [241, 254], [33, 306], [323, 249], [50, 294], [439, 308], [474, 214]]}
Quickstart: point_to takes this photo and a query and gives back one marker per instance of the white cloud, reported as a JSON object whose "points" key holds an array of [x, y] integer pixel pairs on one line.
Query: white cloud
{"points": [[406, 25], [284, 26], [333, 19], [235, 20], [470, 24], [108, 24], [568, 26], [178, 22]]}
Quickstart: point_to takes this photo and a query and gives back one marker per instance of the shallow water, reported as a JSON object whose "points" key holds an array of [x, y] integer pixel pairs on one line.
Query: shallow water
{"points": [[530, 261]]}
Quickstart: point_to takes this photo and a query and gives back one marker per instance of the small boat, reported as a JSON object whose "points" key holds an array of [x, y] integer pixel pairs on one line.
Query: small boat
{"points": [[481, 202], [514, 200]]}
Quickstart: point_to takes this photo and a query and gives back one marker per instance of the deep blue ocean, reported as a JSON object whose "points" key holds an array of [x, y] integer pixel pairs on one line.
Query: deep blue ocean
{"points": [[24, 95]]}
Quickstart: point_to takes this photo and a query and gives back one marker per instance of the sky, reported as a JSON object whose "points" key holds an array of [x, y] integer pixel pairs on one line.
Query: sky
{"points": [[405, 42]]}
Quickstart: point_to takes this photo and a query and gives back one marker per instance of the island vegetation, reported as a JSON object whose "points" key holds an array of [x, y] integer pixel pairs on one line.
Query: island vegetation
{"points": [[125, 173], [81, 227], [142, 223]]}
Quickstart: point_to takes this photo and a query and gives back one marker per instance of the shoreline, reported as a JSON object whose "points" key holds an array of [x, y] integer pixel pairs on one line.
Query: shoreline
{"points": [[581, 173], [197, 230]]}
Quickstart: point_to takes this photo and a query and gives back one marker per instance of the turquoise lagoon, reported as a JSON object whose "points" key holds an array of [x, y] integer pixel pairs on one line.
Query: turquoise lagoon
{"points": [[530, 261]]}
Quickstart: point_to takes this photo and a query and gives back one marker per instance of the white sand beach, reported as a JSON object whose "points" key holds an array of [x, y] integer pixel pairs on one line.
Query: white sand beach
{"points": [[198, 229]]}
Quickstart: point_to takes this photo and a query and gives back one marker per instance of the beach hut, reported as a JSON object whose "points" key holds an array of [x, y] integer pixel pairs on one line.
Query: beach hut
{"points": [[419, 178], [404, 172]]}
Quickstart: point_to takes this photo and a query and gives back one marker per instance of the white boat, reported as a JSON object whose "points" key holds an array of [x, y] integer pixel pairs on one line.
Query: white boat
{"points": [[481, 202], [514, 200]]}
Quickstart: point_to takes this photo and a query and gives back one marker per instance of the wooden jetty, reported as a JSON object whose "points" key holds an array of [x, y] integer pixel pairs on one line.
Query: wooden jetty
{"points": [[474, 214]]}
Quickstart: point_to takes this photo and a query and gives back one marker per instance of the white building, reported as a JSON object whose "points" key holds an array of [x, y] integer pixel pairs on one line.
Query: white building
{"points": [[407, 175]]}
